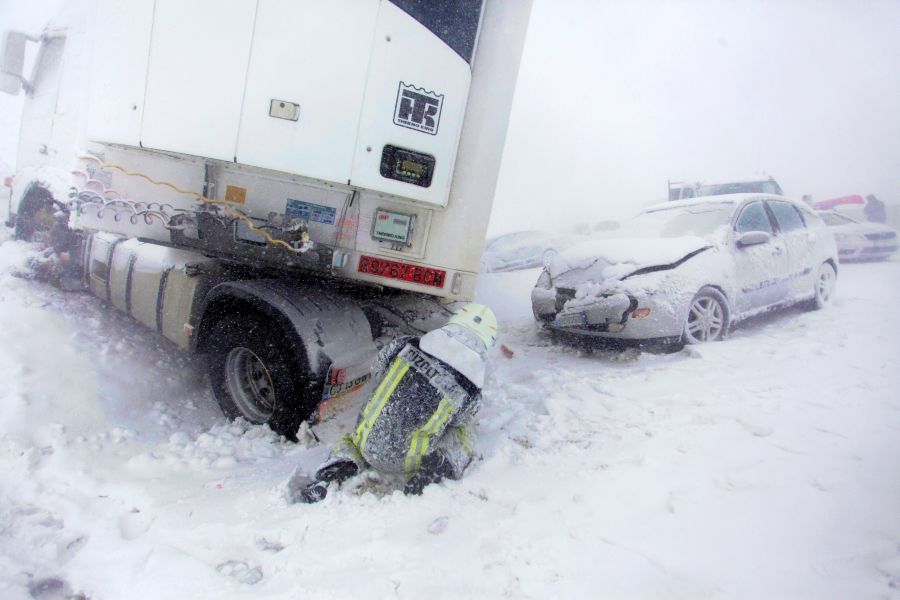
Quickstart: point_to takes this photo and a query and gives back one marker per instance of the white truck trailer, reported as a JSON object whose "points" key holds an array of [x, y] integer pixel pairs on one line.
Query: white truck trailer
{"points": [[281, 185]]}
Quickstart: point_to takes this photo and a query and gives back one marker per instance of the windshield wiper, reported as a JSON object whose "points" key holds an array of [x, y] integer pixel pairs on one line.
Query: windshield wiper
{"points": [[655, 268]]}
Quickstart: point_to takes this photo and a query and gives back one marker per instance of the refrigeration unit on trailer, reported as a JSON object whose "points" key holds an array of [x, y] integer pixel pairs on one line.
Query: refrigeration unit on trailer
{"points": [[279, 184]]}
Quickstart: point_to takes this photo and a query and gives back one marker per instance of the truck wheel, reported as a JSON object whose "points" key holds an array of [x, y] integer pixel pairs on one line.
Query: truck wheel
{"points": [[255, 374], [36, 217]]}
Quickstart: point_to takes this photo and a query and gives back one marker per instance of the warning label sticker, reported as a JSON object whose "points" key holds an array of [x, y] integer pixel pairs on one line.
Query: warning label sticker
{"points": [[308, 211]]}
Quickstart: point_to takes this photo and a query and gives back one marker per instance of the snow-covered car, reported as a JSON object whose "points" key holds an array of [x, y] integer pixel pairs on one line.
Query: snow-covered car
{"points": [[857, 240], [766, 185], [521, 250], [687, 270]]}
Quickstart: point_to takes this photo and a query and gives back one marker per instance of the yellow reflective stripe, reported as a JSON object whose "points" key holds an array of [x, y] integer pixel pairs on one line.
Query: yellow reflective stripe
{"points": [[346, 447], [362, 432], [418, 446], [376, 405], [447, 409], [395, 366], [462, 434], [374, 400]]}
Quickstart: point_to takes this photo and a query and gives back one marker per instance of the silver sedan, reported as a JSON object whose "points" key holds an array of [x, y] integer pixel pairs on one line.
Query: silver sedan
{"points": [[687, 270], [857, 240]]}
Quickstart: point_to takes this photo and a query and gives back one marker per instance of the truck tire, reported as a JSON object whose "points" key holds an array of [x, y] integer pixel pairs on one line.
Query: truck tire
{"points": [[35, 218], [255, 374]]}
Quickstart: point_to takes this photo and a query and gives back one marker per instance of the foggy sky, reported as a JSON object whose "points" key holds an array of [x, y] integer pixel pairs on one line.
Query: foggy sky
{"points": [[615, 98]]}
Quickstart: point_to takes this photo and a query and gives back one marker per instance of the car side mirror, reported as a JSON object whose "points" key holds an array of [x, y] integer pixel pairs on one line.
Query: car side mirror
{"points": [[753, 238], [12, 63]]}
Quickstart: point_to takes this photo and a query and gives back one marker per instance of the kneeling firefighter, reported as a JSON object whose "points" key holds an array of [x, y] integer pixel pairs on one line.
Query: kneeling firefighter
{"points": [[427, 392]]}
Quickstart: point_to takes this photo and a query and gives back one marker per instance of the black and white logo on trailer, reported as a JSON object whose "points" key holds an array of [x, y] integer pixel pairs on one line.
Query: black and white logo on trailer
{"points": [[418, 108]]}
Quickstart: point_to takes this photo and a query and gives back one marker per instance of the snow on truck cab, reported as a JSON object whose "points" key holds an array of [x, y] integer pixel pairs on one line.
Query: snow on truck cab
{"points": [[280, 185]]}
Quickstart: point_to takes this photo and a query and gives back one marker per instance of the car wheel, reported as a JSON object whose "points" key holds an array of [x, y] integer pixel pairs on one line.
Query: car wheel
{"points": [[548, 257], [826, 281], [255, 374], [707, 317]]}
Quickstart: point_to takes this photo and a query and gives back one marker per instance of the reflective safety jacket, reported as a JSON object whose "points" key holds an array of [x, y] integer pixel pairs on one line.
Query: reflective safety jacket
{"points": [[419, 406]]}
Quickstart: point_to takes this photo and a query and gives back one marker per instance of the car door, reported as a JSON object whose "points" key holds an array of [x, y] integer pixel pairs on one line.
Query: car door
{"points": [[799, 245], [758, 268]]}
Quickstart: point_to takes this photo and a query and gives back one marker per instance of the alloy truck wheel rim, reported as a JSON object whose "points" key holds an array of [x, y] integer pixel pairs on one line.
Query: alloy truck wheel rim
{"points": [[250, 385], [826, 283], [706, 318]]}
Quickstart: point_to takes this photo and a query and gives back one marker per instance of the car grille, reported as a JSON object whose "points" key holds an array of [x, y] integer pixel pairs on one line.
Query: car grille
{"points": [[881, 235], [563, 295], [875, 250]]}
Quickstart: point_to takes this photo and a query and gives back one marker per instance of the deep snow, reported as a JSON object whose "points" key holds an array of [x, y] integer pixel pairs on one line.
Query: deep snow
{"points": [[765, 466]]}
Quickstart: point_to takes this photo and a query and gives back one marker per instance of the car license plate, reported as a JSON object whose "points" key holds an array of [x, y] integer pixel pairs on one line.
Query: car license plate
{"points": [[577, 319], [402, 271]]}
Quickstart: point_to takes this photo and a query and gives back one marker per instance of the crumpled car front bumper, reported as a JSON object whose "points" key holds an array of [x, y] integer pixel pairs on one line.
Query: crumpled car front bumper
{"points": [[610, 315]]}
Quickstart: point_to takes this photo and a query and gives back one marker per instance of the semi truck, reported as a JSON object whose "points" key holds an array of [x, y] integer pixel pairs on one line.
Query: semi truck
{"points": [[281, 185]]}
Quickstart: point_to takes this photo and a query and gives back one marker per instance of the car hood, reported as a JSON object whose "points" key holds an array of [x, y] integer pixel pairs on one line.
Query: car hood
{"points": [[615, 258]]}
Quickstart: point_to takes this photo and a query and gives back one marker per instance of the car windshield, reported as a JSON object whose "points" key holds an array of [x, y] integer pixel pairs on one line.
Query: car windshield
{"points": [[740, 187], [833, 220], [700, 220], [511, 240]]}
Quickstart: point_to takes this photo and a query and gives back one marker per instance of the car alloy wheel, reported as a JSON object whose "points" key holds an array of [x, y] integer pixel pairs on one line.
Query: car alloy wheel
{"points": [[826, 281], [707, 317]]}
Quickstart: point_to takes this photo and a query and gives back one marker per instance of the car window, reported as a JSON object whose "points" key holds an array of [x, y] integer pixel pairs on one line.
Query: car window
{"points": [[786, 216], [771, 187], [754, 218], [812, 220], [737, 187]]}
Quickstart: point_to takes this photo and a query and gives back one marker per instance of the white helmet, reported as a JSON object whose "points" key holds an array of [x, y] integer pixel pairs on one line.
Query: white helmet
{"points": [[464, 341]]}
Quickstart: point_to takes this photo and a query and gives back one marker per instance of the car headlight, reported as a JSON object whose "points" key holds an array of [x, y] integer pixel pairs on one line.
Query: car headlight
{"points": [[544, 281]]}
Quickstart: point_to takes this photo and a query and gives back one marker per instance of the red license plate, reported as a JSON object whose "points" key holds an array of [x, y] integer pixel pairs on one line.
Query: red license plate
{"points": [[402, 271]]}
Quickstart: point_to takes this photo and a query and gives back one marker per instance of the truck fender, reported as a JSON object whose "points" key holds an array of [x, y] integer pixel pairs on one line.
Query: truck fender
{"points": [[325, 329]]}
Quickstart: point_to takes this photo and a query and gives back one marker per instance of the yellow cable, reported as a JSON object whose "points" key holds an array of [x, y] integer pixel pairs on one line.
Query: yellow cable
{"points": [[228, 208]]}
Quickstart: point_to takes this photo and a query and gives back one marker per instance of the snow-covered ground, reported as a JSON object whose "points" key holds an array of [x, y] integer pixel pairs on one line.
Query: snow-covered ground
{"points": [[766, 466]]}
